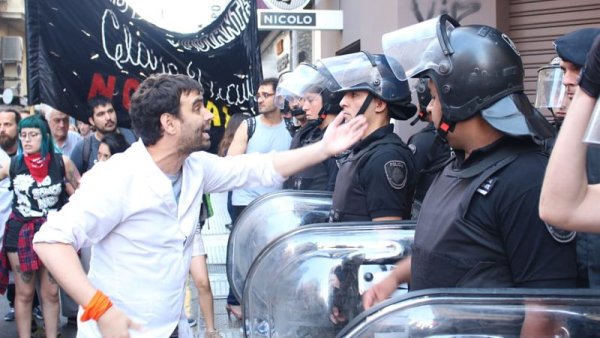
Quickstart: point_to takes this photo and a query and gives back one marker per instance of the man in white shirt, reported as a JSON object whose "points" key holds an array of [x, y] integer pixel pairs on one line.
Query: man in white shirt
{"points": [[140, 209]]}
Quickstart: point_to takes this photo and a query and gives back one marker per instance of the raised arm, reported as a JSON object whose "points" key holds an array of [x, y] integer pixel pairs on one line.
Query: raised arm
{"points": [[337, 138], [240, 140], [567, 200]]}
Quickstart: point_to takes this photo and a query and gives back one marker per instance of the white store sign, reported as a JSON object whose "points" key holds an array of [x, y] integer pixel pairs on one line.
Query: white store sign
{"points": [[300, 20]]}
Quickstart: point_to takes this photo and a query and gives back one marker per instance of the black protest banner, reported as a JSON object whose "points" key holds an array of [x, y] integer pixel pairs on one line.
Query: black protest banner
{"points": [[78, 49]]}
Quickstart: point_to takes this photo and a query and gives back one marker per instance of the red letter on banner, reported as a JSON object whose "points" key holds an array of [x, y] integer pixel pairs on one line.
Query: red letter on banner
{"points": [[99, 87], [128, 88]]}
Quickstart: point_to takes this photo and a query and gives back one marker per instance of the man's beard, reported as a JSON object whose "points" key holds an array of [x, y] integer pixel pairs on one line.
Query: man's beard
{"points": [[6, 142], [106, 131], [192, 146]]}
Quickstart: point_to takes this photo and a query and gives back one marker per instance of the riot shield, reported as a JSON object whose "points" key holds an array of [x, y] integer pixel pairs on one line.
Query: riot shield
{"points": [[308, 282], [265, 219], [482, 313]]}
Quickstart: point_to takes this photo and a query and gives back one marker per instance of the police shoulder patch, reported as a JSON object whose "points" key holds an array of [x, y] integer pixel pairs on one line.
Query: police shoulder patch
{"points": [[396, 173], [559, 235]]}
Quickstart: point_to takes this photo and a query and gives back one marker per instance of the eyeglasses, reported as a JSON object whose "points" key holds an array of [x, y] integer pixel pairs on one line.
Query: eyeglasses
{"points": [[30, 135], [263, 95]]}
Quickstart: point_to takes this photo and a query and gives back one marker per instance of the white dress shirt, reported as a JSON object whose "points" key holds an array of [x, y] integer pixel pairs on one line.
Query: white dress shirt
{"points": [[142, 239]]}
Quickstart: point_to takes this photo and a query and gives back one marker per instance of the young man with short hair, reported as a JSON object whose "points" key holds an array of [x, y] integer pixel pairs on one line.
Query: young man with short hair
{"points": [[103, 118]]}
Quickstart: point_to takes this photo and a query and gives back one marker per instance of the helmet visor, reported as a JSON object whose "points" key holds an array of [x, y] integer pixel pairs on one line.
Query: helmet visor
{"points": [[551, 92], [355, 71], [293, 86], [414, 49]]}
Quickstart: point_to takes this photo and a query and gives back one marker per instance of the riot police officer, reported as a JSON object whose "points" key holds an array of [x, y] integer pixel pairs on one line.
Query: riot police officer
{"points": [[313, 88], [479, 224], [430, 151], [376, 181], [290, 106]]}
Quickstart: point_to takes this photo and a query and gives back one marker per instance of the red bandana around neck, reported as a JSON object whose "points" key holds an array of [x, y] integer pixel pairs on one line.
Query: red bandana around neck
{"points": [[37, 166]]}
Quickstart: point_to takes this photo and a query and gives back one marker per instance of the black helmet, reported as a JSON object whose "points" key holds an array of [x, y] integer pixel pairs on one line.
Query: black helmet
{"points": [[473, 68], [372, 73]]}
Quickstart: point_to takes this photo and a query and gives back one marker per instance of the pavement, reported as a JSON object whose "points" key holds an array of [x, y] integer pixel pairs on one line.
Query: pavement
{"points": [[215, 237]]}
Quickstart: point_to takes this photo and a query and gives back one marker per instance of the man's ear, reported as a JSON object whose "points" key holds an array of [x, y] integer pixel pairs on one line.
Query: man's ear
{"points": [[91, 121], [167, 123], [380, 105]]}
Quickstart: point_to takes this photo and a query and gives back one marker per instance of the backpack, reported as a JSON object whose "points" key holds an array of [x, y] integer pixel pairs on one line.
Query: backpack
{"points": [[289, 125], [86, 152]]}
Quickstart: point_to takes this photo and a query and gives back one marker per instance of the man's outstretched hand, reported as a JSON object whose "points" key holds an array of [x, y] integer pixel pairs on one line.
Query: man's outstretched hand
{"points": [[341, 136]]}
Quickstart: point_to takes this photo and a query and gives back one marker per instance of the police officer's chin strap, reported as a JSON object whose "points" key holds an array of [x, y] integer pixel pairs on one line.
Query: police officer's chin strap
{"points": [[445, 127], [365, 104], [322, 114], [557, 121], [421, 116]]}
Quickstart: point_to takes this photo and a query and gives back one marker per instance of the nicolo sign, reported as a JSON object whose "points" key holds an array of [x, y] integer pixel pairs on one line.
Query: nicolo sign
{"points": [[288, 15]]}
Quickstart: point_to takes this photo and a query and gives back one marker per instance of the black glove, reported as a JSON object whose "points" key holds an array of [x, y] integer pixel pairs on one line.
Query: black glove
{"points": [[590, 77]]}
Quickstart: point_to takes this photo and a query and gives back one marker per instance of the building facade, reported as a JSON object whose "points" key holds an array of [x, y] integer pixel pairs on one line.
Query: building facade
{"points": [[13, 73], [532, 25]]}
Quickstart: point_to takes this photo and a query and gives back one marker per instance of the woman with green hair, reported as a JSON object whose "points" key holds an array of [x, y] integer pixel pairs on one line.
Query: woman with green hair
{"points": [[38, 174]]}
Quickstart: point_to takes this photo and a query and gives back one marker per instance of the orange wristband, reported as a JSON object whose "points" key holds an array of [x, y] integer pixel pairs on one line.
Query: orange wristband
{"points": [[97, 306]]}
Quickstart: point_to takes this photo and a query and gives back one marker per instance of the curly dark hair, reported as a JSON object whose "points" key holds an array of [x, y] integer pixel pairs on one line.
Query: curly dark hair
{"points": [[158, 94]]}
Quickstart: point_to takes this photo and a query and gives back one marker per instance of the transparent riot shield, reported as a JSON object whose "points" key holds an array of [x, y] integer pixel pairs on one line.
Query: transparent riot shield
{"points": [[308, 282], [265, 219], [482, 313]]}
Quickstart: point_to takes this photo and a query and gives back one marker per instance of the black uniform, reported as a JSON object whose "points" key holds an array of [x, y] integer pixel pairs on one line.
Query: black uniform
{"points": [[318, 177], [377, 179], [479, 226], [430, 153]]}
